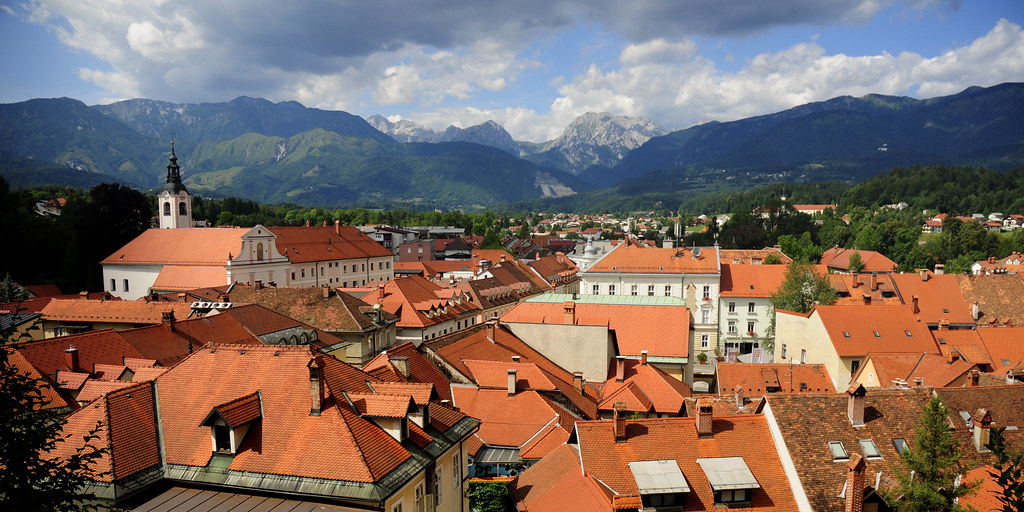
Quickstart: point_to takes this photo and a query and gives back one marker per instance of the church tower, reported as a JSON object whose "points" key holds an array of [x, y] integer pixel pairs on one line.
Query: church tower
{"points": [[174, 203]]}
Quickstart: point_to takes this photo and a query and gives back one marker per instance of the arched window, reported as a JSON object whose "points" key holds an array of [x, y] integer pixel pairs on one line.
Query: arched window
{"points": [[167, 208], [259, 251], [181, 208], [304, 339]]}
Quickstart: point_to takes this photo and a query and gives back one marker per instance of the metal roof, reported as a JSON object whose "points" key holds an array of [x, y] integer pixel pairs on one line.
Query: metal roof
{"points": [[728, 473], [658, 477], [629, 300], [491, 455]]}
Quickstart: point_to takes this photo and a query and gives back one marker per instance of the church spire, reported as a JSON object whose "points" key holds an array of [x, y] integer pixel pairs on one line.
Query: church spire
{"points": [[173, 170]]}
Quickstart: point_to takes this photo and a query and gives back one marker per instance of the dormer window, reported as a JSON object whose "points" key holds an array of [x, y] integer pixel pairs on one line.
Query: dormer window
{"points": [[730, 479], [661, 483], [230, 421]]}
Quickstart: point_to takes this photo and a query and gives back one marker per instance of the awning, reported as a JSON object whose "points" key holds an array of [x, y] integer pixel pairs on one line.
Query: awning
{"points": [[658, 477], [728, 473], [492, 455]]}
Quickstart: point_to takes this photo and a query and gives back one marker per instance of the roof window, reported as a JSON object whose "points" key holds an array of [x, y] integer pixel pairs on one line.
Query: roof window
{"points": [[908, 334], [846, 334], [876, 334], [838, 450], [870, 449], [900, 444]]}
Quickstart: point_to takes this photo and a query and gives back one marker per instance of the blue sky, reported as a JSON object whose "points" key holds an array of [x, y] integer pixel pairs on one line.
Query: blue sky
{"points": [[530, 65]]}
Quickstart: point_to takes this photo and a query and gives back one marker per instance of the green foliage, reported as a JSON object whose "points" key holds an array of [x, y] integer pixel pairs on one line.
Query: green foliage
{"points": [[856, 262], [802, 249], [801, 290], [32, 480], [490, 497], [1008, 470], [772, 259], [929, 482]]}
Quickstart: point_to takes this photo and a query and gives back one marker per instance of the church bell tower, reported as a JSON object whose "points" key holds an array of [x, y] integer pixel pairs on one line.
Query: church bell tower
{"points": [[174, 203]]}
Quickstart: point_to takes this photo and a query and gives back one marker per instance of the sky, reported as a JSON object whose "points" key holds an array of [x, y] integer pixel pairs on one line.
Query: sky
{"points": [[530, 65]]}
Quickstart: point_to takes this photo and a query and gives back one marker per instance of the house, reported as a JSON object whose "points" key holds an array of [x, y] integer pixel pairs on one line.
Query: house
{"points": [[584, 333], [873, 288], [752, 256], [416, 250], [406, 364], [646, 390], [424, 309], [936, 297], [1012, 264], [65, 316], [557, 484], [390, 237], [759, 379], [838, 260], [997, 297], [745, 310], [934, 224], [841, 337], [904, 369], [813, 209], [174, 260], [692, 274], [364, 330], [244, 420]]}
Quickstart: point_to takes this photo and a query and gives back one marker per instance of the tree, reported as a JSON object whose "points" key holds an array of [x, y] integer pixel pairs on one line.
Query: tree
{"points": [[856, 263], [929, 483], [30, 480], [801, 289], [490, 497], [1008, 471]]}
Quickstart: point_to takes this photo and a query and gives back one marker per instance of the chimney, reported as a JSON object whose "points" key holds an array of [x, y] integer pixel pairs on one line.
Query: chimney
{"points": [[515, 358], [308, 224], [492, 329], [643, 357], [856, 280], [153, 297], [84, 295], [258, 285], [704, 417], [855, 483], [739, 396], [316, 385], [327, 292], [973, 378], [874, 281], [577, 382], [940, 269], [337, 227], [503, 258], [569, 309], [619, 421], [924, 274], [918, 381], [982, 420], [512, 381], [620, 368], [182, 296], [325, 223], [951, 356], [401, 364], [168, 319], [944, 324], [916, 301], [855, 404], [975, 311], [71, 358], [867, 299]]}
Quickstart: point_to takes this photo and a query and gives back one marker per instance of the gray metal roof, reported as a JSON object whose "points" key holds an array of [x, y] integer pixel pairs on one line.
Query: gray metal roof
{"points": [[658, 476], [728, 473], [181, 499], [492, 455]]}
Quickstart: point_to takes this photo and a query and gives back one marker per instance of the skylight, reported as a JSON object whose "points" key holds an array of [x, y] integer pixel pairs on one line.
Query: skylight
{"points": [[838, 451], [900, 444], [870, 449], [876, 334], [908, 334], [846, 334]]}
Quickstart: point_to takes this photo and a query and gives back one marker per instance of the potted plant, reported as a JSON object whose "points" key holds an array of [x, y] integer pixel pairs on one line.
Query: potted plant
{"points": [[702, 358]]}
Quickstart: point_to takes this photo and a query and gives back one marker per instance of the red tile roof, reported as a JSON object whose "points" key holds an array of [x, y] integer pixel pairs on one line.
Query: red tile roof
{"points": [[998, 297], [382, 406], [93, 388], [751, 280], [420, 393], [933, 369], [420, 368], [340, 312], [892, 323], [53, 399], [839, 258], [412, 298], [494, 374], [557, 484], [190, 277], [103, 347], [629, 258], [185, 246], [241, 410], [986, 498], [325, 243], [939, 297], [504, 420], [551, 437], [113, 311], [745, 436], [1004, 344], [644, 388], [751, 256], [755, 378]]}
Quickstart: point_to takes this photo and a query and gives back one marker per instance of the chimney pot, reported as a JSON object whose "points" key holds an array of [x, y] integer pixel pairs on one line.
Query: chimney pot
{"points": [[855, 404], [511, 381], [975, 311], [619, 421], [643, 357], [569, 309], [168, 319], [940, 269], [916, 301], [975, 376], [982, 421], [84, 295], [620, 368], [182, 296], [71, 358], [705, 420], [874, 281], [337, 227], [577, 382]]}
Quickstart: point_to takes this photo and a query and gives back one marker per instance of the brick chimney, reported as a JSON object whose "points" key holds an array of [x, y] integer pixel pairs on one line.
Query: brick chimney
{"points": [[619, 421], [620, 368], [643, 357], [492, 328], [337, 227], [924, 274], [705, 408], [916, 301], [168, 319], [83, 295], [874, 281], [569, 310], [71, 358], [182, 296], [401, 364], [855, 404], [973, 378], [316, 385], [738, 391], [855, 483], [577, 382], [327, 292], [982, 420], [512, 381], [951, 356], [856, 280]]}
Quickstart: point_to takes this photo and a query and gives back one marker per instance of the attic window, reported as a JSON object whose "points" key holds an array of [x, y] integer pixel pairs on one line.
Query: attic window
{"points": [[942, 341], [908, 334], [846, 334], [876, 334], [900, 444], [838, 451], [870, 449], [945, 310]]}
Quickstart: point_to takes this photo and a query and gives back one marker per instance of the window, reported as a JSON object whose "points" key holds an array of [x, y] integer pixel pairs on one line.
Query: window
{"points": [[750, 327], [838, 451], [419, 250], [705, 316], [877, 335], [870, 449], [456, 471], [113, 285], [597, 289], [371, 266], [181, 209], [650, 290], [421, 504], [908, 334], [321, 271], [259, 251], [750, 307], [732, 307], [732, 326], [293, 276], [846, 334], [124, 285], [438, 488], [900, 444], [854, 366], [803, 356], [707, 291], [668, 290], [167, 209], [705, 341], [303, 272], [732, 496], [397, 507], [783, 351], [611, 289], [364, 268], [632, 290]]}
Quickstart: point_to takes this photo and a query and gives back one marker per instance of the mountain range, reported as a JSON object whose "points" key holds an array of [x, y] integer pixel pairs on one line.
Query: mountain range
{"points": [[285, 152]]}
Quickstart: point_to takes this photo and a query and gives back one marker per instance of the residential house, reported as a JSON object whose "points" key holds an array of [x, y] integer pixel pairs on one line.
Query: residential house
{"points": [[1012, 264], [866, 289], [757, 380], [416, 250], [934, 224], [425, 310], [390, 237], [837, 259], [841, 337], [745, 310], [904, 369], [66, 316], [692, 274], [936, 298], [646, 390], [406, 364]]}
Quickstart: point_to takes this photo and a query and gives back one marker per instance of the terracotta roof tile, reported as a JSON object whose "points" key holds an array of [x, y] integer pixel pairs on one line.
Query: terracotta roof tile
{"points": [[504, 420], [1003, 344], [939, 297], [340, 312], [839, 258], [94, 347], [998, 297], [557, 484], [896, 327], [112, 311], [1004, 403], [420, 368], [190, 277], [148, 373], [644, 387], [71, 380], [304, 244], [241, 410], [382, 406], [751, 256], [789, 378], [629, 258], [54, 399], [986, 498], [186, 246], [93, 388], [421, 393], [551, 437], [751, 280], [494, 374], [110, 371]]}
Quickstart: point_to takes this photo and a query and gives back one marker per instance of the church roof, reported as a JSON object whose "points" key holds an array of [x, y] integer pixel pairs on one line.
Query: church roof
{"points": [[183, 246]]}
